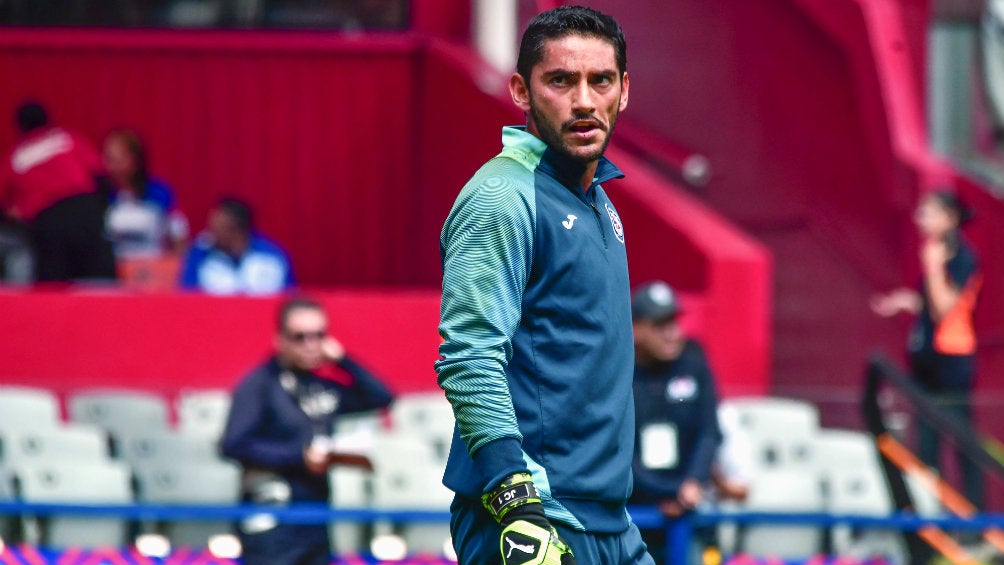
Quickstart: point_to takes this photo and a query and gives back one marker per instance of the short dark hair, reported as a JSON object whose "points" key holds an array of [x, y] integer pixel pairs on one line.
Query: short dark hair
{"points": [[295, 303], [238, 210], [31, 115], [950, 201], [564, 21]]}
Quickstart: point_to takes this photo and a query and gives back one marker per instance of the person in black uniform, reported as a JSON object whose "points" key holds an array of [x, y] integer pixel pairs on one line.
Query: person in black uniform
{"points": [[279, 427], [942, 343], [676, 411]]}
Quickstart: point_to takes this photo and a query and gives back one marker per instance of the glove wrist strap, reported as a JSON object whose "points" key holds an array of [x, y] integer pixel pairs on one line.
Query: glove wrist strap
{"points": [[513, 492]]}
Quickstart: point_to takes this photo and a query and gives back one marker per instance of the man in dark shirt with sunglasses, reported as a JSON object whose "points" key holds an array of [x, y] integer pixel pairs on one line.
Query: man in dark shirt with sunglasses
{"points": [[279, 429]]}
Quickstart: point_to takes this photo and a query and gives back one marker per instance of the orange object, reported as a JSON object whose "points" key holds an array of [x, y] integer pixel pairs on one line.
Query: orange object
{"points": [[954, 334], [951, 498], [150, 274]]}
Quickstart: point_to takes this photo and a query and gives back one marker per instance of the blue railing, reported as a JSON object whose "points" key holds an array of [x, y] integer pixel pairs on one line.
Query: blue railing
{"points": [[680, 531]]}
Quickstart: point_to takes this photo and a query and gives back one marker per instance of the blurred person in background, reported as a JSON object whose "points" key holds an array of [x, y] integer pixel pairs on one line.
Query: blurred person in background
{"points": [[52, 182], [143, 220], [279, 428], [676, 412], [942, 343], [17, 260], [230, 257], [733, 467]]}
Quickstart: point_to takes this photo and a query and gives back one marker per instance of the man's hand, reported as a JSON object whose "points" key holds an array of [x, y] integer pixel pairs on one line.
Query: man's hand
{"points": [[670, 508], [690, 494], [899, 300], [332, 349], [315, 458], [527, 537]]}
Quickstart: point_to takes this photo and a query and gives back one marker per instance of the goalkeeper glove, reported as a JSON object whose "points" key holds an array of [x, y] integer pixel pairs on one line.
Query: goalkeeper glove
{"points": [[527, 537]]}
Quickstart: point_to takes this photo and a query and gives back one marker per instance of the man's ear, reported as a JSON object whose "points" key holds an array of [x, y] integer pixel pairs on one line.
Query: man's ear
{"points": [[520, 92], [625, 83]]}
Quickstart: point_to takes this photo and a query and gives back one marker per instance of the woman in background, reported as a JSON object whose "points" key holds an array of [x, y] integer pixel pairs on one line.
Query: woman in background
{"points": [[942, 343], [142, 219]]}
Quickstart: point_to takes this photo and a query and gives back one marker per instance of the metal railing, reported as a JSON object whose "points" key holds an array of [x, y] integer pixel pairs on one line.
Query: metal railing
{"points": [[680, 531]]}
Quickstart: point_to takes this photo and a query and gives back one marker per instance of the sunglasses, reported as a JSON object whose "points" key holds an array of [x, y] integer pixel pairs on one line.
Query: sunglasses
{"points": [[301, 337]]}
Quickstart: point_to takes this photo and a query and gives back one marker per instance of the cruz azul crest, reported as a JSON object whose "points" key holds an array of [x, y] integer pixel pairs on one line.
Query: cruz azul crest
{"points": [[615, 221]]}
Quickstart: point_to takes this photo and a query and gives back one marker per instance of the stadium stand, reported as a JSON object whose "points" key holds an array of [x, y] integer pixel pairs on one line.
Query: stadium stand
{"points": [[780, 430], [407, 474], [28, 406], [119, 411], [426, 416], [848, 464], [29, 445], [351, 489], [9, 524], [189, 482], [852, 69], [165, 448], [202, 411], [70, 482], [783, 490]]}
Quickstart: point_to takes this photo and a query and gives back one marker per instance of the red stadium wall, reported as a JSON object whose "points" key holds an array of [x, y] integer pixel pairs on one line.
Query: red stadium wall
{"points": [[725, 274], [813, 116], [257, 115], [73, 339], [351, 152]]}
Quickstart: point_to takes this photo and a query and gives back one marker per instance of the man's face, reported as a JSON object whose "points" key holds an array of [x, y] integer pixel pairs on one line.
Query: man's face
{"points": [[227, 235], [574, 96], [299, 342], [661, 340], [119, 161], [932, 219]]}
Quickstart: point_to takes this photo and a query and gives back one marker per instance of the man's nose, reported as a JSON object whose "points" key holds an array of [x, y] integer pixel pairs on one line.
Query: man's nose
{"points": [[582, 97]]}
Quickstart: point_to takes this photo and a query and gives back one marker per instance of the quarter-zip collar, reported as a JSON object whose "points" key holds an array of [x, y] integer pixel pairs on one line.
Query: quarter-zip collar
{"points": [[533, 152]]}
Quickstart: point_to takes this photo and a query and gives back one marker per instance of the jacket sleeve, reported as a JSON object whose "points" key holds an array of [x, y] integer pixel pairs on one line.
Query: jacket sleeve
{"points": [[368, 392], [486, 247], [243, 438]]}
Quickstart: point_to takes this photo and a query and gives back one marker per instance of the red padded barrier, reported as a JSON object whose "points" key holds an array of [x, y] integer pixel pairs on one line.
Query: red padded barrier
{"points": [[67, 339]]}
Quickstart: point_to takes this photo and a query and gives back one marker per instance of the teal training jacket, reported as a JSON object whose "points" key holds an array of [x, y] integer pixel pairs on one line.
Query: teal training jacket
{"points": [[537, 354]]}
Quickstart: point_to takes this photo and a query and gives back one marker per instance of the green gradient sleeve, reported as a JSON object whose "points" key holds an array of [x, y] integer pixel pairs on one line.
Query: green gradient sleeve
{"points": [[486, 247]]}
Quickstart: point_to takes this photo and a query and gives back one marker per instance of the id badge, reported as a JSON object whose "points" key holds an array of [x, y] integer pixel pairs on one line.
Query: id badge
{"points": [[659, 446]]}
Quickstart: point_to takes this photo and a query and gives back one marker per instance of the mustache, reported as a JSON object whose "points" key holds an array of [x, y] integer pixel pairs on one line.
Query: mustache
{"points": [[593, 120]]}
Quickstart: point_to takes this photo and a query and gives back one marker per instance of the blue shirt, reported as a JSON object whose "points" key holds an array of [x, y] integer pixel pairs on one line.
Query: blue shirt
{"points": [[537, 353], [264, 268], [140, 227]]}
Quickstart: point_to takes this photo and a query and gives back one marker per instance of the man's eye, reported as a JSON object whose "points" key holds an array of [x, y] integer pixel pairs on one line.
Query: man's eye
{"points": [[559, 81]]}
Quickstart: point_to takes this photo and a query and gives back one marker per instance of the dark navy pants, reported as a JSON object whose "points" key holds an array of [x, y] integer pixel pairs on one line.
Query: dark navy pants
{"points": [[287, 544]]}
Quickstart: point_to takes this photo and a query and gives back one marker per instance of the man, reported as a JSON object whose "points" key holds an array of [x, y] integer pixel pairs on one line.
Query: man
{"points": [[50, 183], [536, 356], [278, 428], [230, 258], [676, 410]]}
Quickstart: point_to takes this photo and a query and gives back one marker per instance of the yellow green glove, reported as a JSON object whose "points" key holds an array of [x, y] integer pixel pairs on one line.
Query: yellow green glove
{"points": [[527, 537]]}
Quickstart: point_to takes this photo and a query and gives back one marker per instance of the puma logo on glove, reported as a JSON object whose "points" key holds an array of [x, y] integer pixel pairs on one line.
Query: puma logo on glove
{"points": [[524, 548]]}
